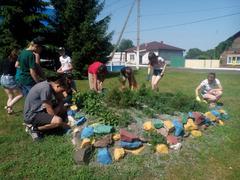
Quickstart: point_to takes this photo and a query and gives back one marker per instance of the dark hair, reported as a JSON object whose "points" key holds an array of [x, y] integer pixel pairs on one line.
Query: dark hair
{"points": [[13, 55], [38, 40], [126, 71], [212, 73], [62, 82], [152, 57], [102, 69]]}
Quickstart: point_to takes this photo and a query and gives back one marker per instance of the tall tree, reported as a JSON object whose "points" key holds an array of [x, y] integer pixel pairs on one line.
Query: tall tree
{"points": [[125, 44], [80, 32], [21, 21]]}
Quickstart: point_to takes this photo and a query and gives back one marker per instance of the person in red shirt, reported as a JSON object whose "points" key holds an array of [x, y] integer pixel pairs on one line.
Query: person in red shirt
{"points": [[96, 75]]}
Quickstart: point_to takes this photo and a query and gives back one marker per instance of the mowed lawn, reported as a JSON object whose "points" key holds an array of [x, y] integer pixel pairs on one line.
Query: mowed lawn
{"points": [[215, 155]]}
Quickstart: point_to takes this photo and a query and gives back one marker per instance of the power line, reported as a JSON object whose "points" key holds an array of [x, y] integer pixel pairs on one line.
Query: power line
{"points": [[187, 23], [187, 12]]}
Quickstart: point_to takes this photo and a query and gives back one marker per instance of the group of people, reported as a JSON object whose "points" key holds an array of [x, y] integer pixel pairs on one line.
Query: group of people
{"points": [[46, 102]]}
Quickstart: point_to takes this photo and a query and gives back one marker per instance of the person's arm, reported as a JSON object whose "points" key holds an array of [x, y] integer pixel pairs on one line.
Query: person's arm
{"points": [[197, 93], [163, 71], [95, 83], [17, 64], [48, 105], [37, 58], [34, 75], [149, 71]]}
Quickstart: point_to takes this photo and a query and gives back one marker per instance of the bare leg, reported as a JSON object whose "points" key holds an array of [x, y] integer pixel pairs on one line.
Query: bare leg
{"points": [[209, 97], [56, 122], [153, 80], [90, 80], [16, 98], [10, 95], [156, 81]]}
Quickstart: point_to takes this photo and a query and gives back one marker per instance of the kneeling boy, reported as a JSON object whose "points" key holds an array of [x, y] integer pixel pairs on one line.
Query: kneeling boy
{"points": [[38, 108]]}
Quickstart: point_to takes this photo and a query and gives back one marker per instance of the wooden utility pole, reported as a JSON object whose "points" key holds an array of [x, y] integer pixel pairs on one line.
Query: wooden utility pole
{"points": [[138, 33], [124, 27]]}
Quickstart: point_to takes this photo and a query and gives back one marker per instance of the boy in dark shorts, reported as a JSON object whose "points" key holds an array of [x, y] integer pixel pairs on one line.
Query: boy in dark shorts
{"points": [[39, 110]]}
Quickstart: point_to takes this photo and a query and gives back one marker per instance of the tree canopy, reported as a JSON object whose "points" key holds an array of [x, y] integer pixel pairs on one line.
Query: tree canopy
{"points": [[21, 21], [125, 44]]}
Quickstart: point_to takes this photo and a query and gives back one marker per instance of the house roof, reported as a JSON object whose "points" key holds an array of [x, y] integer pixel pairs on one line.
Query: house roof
{"points": [[151, 46]]}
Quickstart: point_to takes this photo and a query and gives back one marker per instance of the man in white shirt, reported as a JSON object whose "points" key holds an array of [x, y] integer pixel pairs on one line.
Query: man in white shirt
{"points": [[210, 89], [66, 65]]}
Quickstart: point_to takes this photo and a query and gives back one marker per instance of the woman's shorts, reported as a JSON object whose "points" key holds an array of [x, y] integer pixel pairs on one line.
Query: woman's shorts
{"points": [[157, 72], [8, 82]]}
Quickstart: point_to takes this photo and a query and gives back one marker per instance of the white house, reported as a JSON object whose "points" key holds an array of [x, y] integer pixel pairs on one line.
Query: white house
{"points": [[168, 52]]}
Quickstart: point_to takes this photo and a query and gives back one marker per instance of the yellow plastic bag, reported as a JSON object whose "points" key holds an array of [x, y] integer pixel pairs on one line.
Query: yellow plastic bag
{"points": [[85, 142], [162, 149], [190, 125], [147, 126], [73, 107], [210, 116], [168, 125], [136, 151], [196, 133], [221, 122], [118, 153], [116, 137]]}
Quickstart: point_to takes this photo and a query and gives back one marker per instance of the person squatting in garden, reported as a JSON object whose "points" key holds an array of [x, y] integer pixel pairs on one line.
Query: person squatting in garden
{"points": [[210, 89], [66, 62], [126, 74], [8, 81], [96, 75], [157, 65], [39, 109], [28, 76]]}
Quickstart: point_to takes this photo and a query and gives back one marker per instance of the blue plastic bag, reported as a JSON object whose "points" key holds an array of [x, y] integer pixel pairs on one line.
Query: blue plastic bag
{"points": [[71, 113], [87, 132], [178, 127], [104, 156], [80, 121], [131, 145]]}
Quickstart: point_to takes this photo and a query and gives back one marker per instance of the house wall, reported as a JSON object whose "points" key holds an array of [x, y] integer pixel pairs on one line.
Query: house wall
{"points": [[165, 54], [119, 58], [233, 51], [200, 63], [168, 55]]}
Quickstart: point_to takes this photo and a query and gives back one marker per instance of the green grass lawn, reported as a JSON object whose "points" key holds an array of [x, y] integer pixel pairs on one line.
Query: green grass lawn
{"points": [[215, 155]]}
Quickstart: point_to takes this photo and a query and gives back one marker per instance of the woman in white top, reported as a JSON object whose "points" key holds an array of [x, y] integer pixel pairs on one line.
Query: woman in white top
{"points": [[157, 65], [66, 65], [210, 89]]}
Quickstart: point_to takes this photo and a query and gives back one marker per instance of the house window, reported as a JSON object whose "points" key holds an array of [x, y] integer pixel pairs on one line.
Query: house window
{"points": [[238, 60], [229, 60], [233, 59], [131, 57]]}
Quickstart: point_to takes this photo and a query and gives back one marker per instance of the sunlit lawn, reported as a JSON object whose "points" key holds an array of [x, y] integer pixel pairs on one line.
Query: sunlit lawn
{"points": [[215, 155]]}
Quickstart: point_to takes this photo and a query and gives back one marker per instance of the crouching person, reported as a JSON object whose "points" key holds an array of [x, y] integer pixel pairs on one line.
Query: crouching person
{"points": [[38, 108]]}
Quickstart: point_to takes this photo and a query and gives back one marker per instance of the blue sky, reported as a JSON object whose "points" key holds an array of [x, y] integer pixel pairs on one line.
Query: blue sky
{"points": [[157, 15]]}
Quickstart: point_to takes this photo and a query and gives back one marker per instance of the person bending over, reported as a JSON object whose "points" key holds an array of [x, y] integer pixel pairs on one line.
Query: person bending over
{"points": [[96, 75], [210, 89], [126, 74]]}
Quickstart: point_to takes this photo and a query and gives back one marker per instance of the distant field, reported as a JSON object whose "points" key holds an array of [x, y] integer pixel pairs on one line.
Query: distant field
{"points": [[215, 155]]}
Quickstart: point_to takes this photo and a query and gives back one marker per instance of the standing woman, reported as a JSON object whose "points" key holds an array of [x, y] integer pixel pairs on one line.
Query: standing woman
{"points": [[157, 65], [8, 81]]}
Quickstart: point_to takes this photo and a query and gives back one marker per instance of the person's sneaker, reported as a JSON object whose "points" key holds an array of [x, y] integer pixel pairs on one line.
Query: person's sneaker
{"points": [[35, 134]]}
